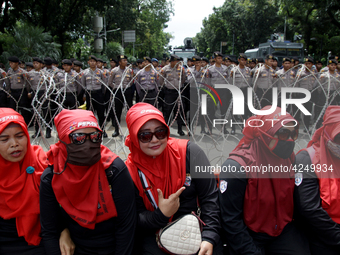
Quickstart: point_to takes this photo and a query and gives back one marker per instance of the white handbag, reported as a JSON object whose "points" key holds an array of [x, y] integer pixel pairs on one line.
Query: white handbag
{"points": [[179, 237], [182, 236]]}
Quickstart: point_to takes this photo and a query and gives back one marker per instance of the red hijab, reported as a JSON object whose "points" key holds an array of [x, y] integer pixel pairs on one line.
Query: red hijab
{"points": [[19, 183], [167, 171], [329, 181], [268, 202], [79, 188]]}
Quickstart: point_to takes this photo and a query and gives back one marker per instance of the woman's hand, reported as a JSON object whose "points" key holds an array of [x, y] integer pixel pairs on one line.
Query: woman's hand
{"points": [[169, 206], [206, 248], [66, 244]]}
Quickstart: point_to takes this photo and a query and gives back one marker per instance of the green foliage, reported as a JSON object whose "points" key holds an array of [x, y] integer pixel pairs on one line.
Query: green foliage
{"points": [[28, 41], [113, 49]]}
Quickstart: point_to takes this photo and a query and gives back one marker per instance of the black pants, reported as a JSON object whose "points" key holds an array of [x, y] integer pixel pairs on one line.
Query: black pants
{"points": [[20, 103], [148, 96], [171, 106], [290, 242], [3, 99], [150, 247], [160, 98], [195, 108], [43, 111], [70, 102], [265, 96], [95, 102], [119, 104]]}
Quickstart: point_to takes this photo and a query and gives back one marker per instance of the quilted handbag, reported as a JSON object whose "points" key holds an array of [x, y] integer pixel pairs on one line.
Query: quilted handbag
{"points": [[182, 236]]}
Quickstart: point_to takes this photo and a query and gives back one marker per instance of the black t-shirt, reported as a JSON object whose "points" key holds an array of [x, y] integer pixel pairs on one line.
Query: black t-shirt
{"points": [[113, 236], [203, 189]]}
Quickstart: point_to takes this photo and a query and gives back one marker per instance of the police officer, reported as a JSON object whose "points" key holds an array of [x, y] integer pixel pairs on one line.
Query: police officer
{"points": [[38, 90], [240, 77], [78, 68], [171, 79], [147, 83], [285, 77], [306, 78], [218, 74], [3, 94], [92, 80], [328, 90], [68, 85], [263, 82], [120, 82], [29, 66], [18, 87], [113, 63], [318, 65], [205, 62]]}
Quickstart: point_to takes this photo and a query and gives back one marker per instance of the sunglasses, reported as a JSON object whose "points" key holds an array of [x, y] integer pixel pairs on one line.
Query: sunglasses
{"points": [[284, 134], [146, 137], [80, 138]]}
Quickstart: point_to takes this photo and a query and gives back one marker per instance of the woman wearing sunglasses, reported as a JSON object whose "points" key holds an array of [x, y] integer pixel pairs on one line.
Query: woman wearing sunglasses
{"points": [[256, 195], [160, 168], [317, 191], [21, 167], [86, 188]]}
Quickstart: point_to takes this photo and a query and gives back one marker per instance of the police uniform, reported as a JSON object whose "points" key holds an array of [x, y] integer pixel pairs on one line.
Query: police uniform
{"points": [[307, 79], [78, 81], [38, 90], [284, 79], [241, 78], [3, 94], [329, 88], [172, 79], [68, 86], [19, 88], [120, 82], [147, 85], [92, 80], [263, 83]]}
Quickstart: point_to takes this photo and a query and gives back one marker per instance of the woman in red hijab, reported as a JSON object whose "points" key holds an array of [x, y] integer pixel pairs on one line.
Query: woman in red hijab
{"points": [[163, 163], [21, 167], [86, 188], [317, 192], [256, 189]]}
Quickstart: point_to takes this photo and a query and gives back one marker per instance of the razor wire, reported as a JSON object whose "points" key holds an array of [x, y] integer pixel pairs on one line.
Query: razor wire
{"points": [[215, 143]]}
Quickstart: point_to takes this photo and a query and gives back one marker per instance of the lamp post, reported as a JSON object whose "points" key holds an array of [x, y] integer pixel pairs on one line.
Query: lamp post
{"points": [[98, 26]]}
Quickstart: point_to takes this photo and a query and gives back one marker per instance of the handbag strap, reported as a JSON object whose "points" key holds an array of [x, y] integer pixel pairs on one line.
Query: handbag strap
{"points": [[147, 189]]}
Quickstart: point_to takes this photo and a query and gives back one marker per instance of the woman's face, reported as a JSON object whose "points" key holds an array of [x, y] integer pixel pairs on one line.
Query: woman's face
{"points": [[13, 144], [155, 147], [289, 126]]}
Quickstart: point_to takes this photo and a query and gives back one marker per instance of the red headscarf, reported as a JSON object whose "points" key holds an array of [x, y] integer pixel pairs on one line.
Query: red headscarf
{"points": [[19, 183], [329, 181], [80, 189], [167, 171], [268, 202]]}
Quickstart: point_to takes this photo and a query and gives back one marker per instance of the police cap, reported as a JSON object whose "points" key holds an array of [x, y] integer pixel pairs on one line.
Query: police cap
{"points": [[100, 60], [227, 58], [93, 57], [55, 62], [66, 62], [205, 59], [286, 59], [332, 61], [174, 57], [196, 58], [147, 59], [309, 59], [29, 64], [217, 54], [139, 61], [269, 56], [259, 60], [13, 59], [154, 60], [242, 55], [120, 57], [48, 61], [38, 60], [78, 63]]}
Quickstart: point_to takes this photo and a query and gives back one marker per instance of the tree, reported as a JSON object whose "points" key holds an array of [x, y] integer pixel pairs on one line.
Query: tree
{"points": [[28, 41]]}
